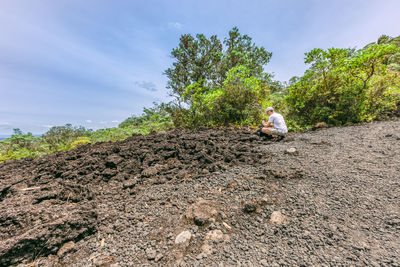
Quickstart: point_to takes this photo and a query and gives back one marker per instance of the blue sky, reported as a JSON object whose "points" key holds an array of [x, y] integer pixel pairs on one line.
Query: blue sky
{"points": [[95, 62]]}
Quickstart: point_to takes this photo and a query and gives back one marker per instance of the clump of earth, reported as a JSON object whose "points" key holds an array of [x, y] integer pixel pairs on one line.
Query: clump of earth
{"points": [[208, 197]]}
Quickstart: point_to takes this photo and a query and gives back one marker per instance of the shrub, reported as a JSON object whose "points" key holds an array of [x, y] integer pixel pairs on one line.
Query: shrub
{"points": [[344, 86]]}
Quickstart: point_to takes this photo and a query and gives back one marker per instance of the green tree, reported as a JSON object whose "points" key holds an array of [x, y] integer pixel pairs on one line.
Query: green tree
{"points": [[204, 62], [197, 60], [61, 137], [239, 100], [339, 87], [240, 50]]}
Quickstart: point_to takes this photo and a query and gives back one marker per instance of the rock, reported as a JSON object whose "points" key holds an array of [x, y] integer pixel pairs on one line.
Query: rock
{"points": [[226, 226], [112, 161], [108, 173], [251, 206], [158, 257], [206, 248], [150, 171], [292, 151], [129, 183], [183, 237], [278, 218], [214, 235], [103, 261], [267, 200], [151, 254], [201, 256], [72, 222], [66, 248], [202, 212]]}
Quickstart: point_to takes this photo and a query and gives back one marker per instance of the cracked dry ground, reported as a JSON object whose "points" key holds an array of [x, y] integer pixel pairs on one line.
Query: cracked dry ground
{"points": [[209, 198]]}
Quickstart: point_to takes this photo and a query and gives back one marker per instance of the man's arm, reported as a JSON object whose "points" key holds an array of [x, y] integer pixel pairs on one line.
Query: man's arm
{"points": [[267, 124]]}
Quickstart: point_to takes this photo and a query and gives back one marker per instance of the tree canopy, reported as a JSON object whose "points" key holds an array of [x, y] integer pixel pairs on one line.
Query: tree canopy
{"points": [[206, 61]]}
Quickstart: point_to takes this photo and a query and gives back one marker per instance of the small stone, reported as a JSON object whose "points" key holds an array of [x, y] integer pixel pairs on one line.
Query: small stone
{"points": [[277, 218], [183, 237], [226, 226], [215, 235], [112, 161], [66, 248], [129, 183], [201, 256], [151, 254], [267, 200], [251, 206], [292, 151], [264, 262], [158, 257], [206, 248], [103, 261], [202, 212], [150, 171]]}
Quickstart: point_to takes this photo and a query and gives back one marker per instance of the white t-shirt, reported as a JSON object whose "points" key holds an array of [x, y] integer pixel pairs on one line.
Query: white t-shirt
{"points": [[279, 122]]}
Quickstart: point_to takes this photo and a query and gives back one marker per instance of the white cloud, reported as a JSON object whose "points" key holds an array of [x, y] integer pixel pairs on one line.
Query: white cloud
{"points": [[89, 121], [175, 25], [115, 121]]}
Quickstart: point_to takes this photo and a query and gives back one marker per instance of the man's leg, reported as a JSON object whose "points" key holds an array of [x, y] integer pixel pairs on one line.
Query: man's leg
{"points": [[276, 134], [266, 133]]}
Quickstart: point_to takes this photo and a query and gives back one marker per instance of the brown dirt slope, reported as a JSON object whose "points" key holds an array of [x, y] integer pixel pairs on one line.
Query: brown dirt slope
{"points": [[208, 197]]}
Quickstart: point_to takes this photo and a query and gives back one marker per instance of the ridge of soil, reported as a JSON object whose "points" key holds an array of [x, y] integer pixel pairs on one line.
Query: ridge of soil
{"points": [[133, 202]]}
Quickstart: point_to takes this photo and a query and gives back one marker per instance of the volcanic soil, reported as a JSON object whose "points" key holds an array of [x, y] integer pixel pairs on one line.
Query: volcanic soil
{"points": [[208, 198]]}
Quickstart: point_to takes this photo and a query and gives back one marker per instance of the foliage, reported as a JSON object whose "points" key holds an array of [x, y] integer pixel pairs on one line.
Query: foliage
{"points": [[61, 137], [19, 145], [239, 100], [203, 62], [82, 140], [156, 118], [217, 83], [67, 137], [344, 86]]}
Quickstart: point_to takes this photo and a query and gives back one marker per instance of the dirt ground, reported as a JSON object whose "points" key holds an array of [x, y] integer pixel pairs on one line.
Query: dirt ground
{"points": [[209, 198]]}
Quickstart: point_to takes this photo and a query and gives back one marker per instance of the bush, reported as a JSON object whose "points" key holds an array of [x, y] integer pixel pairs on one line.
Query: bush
{"points": [[156, 118], [61, 137], [344, 86], [239, 101]]}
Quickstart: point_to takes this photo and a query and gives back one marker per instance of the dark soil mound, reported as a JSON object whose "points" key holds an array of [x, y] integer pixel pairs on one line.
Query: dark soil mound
{"points": [[209, 198], [50, 201]]}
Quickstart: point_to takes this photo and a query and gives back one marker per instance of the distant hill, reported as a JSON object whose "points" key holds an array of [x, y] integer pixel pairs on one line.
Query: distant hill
{"points": [[2, 137], [5, 136]]}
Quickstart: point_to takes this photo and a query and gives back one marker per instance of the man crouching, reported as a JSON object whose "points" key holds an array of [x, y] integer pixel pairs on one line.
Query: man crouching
{"points": [[275, 127]]}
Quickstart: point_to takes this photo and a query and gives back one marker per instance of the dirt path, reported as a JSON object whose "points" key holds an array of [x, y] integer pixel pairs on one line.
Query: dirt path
{"points": [[209, 197]]}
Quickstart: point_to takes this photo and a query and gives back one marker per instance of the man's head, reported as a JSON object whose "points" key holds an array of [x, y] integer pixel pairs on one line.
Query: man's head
{"points": [[269, 110]]}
